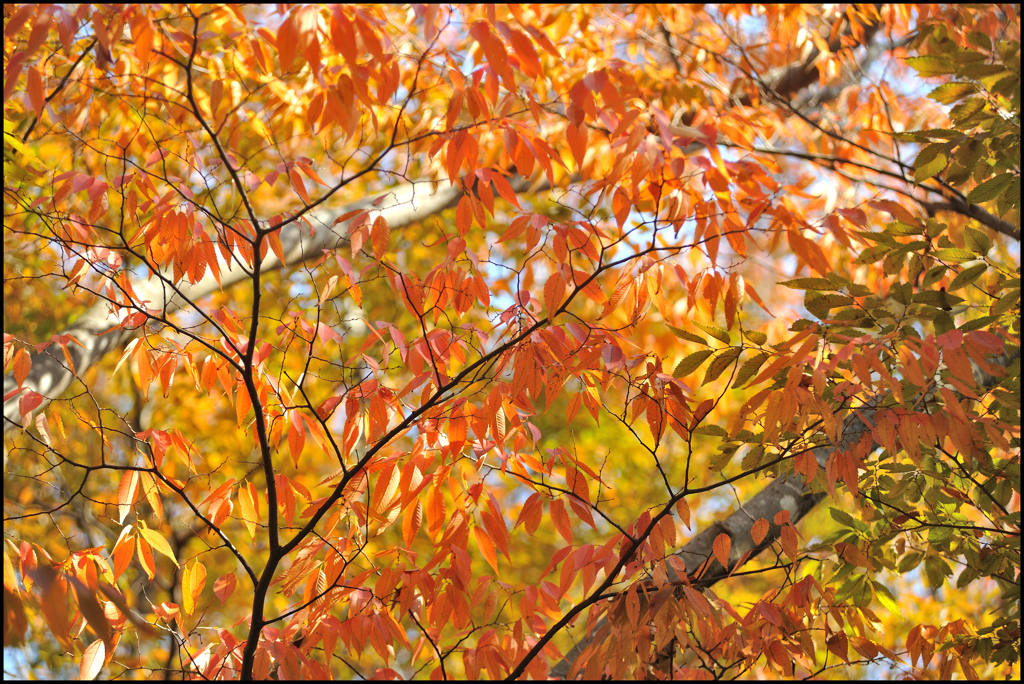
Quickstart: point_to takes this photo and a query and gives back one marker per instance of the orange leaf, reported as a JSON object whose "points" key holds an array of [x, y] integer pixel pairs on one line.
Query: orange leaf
{"points": [[126, 492], [621, 205], [287, 43], [486, 547], [722, 547], [313, 175], [296, 436], [298, 184], [759, 530], [789, 541], [193, 580], [22, 365], [749, 289], [683, 511], [529, 62], [577, 137], [463, 216], [146, 557], [124, 549], [219, 493], [381, 237], [274, 239], [142, 36], [504, 189], [411, 522], [554, 293]]}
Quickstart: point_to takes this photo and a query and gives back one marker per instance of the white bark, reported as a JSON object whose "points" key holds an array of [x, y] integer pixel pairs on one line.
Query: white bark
{"points": [[51, 376]]}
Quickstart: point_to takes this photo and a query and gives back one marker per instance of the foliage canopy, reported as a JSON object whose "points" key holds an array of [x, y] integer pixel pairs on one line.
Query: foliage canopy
{"points": [[511, 341]]}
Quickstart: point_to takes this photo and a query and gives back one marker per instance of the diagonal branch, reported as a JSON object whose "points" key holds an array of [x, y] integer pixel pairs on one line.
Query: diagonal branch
{"points": [[784, 494]]}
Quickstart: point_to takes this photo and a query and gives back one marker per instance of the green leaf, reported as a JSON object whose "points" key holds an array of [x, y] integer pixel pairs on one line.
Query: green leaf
{"points": [[755, 336], [749, 368], [678, 332], [977, 71], [967, 276], [935, 298], [897, 228], [955, 255], [691, 363], [1006, 302], [925, 168], [841, 517], [948, 93], [711, 430], [1006, 85], [809, 284], [873, 253], [977, 241], [979, 39], [941, 133], [723, 361], [717, 333], [943, 323], [886, 598], [966, 109], [930, 65], [991, 188], [939, 535], [934, 275], [909, 562], [936, 571], [978, 323]]}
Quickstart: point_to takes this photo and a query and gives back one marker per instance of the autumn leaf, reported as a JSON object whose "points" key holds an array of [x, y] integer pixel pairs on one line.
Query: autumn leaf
{"points": [[397, 367], [193, 580], [92, 660], [224, 586], [126, 493], [157, 541], [722, 547]]}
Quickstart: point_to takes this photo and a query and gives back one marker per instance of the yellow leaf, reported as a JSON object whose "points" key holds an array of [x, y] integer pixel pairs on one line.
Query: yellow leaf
{"points": [[381, 237], [157, 541], [193, 581], [249, 516]]}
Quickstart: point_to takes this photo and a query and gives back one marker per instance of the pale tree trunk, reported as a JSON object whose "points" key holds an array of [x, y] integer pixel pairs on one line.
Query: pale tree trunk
{"points": [[51, 375], [784, 494]]}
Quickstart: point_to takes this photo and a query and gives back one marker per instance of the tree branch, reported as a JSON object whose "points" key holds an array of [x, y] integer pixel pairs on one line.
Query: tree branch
{"points": [[96, 330]]}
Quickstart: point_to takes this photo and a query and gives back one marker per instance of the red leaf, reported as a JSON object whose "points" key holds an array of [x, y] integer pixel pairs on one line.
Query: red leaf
{"points": [[35, 91], [224, 586], [561, 519]]}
